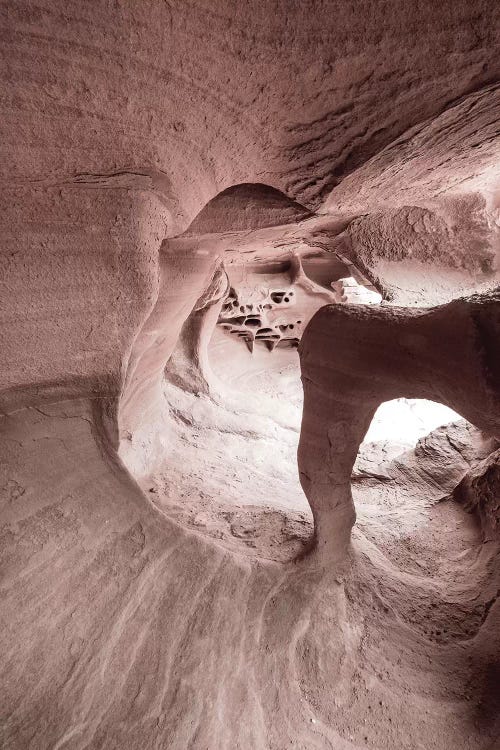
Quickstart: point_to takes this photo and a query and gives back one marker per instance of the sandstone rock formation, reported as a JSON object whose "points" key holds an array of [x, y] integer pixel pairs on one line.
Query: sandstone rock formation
{"points": [[166, 582], [447, 354]]}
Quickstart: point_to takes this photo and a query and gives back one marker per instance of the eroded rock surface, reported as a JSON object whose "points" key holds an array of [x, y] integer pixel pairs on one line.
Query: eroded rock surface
{"points": [[479, 491], [159, 584], [447, 354]]}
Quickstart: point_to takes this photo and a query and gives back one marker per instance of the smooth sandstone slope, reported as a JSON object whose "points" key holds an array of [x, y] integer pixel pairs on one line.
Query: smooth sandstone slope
{"points": [[120, 123]]}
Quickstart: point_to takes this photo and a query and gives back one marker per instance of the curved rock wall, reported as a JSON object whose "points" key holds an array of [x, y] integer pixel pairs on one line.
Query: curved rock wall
{"points": [[142, 145]]}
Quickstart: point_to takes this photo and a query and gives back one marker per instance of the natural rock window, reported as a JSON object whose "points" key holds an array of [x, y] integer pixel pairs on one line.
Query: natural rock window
{"points": [[249, 375]]}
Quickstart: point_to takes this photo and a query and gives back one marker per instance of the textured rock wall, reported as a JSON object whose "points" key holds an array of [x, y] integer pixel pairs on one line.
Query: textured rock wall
{"points": [[191, 99], [448, 354], [120, 123], [79, 276]]}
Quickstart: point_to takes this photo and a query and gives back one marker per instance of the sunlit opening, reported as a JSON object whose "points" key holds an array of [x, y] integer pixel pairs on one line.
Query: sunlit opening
{"points": [[404, 421]]}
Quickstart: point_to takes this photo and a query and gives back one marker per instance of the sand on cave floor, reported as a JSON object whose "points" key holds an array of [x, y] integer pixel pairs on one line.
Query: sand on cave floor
{"points": [[415, 564], [169, 627], [232, 475]]}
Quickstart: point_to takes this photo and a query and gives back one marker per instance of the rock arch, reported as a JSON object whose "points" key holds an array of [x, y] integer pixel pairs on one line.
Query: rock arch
{"points": [[354, 358]]}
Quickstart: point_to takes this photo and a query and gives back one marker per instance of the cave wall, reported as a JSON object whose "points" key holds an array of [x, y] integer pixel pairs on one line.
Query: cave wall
{"points": [[366, 130]]}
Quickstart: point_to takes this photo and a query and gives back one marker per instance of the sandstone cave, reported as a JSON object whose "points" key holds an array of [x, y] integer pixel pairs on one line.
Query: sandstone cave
{"points": [[250, 375]]}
